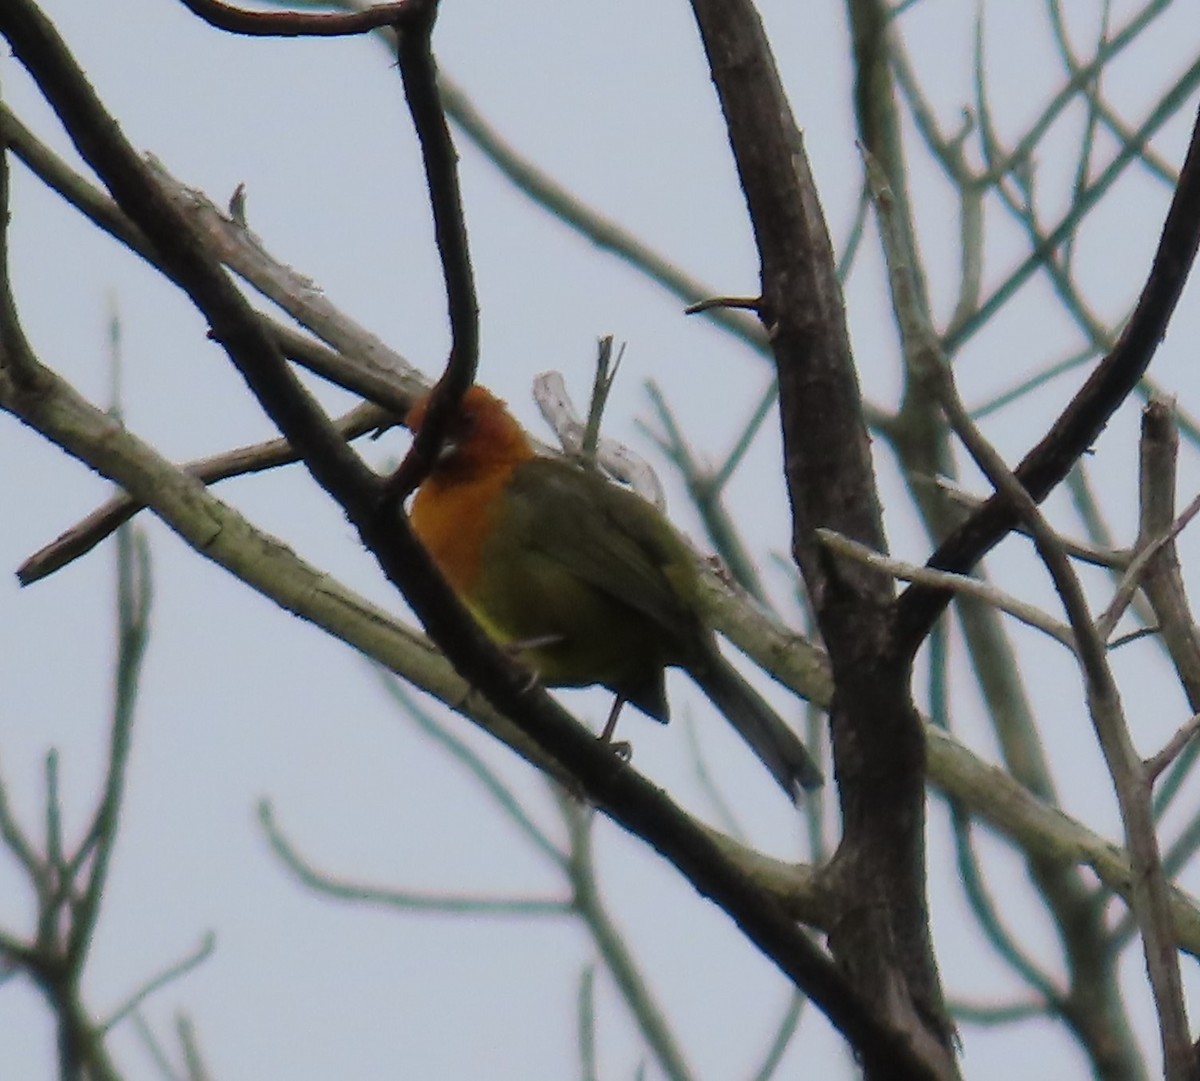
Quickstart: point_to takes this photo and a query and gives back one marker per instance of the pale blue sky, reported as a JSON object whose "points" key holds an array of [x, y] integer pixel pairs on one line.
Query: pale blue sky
{"points": [[241, 701]]}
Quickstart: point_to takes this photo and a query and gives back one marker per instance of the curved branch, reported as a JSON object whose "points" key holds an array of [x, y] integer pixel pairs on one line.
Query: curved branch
{"points": [[302, 24], [452, 904]]}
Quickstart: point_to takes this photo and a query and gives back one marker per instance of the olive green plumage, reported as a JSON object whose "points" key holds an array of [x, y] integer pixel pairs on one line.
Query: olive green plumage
{"points": [[588, 580]]}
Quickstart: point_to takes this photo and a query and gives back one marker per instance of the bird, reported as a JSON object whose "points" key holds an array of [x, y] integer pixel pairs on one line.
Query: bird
{"points": [[585, 582]]}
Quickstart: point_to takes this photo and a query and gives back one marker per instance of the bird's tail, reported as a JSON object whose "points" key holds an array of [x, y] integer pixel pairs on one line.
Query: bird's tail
{"points": [[768, 735]]}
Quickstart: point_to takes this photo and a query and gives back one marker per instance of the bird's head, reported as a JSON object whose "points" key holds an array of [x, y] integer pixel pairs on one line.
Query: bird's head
{"points": [[481, 431]]}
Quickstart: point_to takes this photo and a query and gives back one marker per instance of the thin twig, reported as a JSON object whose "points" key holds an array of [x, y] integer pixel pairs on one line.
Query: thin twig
{"points": [[169, 975], [614, 951], [1163, 584], [602, 383], [82, 537], [586, 1014], [1090, 409], [134, 595], [706, 496], [455, 904], [154, 1048], [419, 74], [1159, 762], [725, 818], [960, 583], [1137, 570], [502, 795], [987, 1014], [1150, 891], [784, 1031], [18, 844], [614, 458], [197, 1070], [1096, 554]]}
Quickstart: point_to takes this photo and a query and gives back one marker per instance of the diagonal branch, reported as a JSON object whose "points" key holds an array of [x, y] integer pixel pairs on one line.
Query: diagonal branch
{"points": [[82, 537]]}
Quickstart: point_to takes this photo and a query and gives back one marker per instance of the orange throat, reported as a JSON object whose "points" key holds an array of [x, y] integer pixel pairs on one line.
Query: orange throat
{"points": [[462, 500], [453, 517]]}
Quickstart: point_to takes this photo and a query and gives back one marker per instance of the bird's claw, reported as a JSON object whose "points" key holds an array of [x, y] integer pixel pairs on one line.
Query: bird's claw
{"points": [[622, 748]]}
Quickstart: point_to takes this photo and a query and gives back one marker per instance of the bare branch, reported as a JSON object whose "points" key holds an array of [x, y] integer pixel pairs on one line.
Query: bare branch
{"points": [[1159, 762], [1138, 569], [750, 304], [507, 800], [614, 951], [617, 460], [785, 1030], [168, 976], [297, 24], [1097, 555], [1150, 897], [82, 537], [586, 1013], [1163, 582], [1084, 418], [194, 1061], [1028, 614], [882, 943], [134, 592], [410, 900], [1042, 831]]}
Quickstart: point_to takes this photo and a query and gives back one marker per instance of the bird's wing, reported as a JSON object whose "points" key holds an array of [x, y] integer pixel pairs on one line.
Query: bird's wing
{"points": [[607, 537]]}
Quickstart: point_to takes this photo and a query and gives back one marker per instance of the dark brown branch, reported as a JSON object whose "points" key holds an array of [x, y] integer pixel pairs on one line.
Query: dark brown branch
{"points": [[1085, 417], [880, 937], [419, 72], [301, 24]]}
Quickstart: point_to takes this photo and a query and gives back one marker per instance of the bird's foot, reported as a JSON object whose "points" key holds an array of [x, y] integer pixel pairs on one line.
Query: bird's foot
{"points": [[622, 748], [610, 725]]}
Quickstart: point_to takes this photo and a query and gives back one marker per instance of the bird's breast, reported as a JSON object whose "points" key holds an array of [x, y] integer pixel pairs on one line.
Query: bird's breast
{"points": [[455, 520]]}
